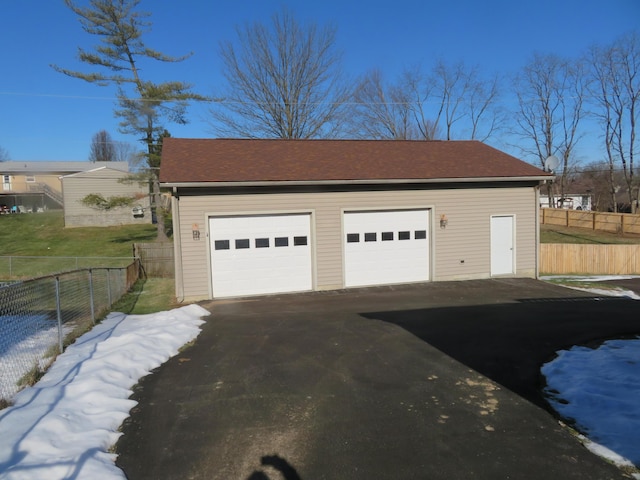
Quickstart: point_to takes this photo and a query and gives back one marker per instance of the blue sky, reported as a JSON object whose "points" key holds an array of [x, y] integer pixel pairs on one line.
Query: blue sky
{"points": [[45, 115]]}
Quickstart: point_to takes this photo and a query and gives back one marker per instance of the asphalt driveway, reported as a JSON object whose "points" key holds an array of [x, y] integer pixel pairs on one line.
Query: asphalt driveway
{"points": [[430, 381]]}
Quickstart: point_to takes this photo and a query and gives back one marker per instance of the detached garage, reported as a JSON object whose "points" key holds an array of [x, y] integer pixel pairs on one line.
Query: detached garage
{"points": [[255, 217]]}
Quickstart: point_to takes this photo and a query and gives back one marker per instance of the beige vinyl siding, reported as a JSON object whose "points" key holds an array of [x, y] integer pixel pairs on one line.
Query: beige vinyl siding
{"points": [[466, 237], [19, 183], [463, 247], [106, 183]]}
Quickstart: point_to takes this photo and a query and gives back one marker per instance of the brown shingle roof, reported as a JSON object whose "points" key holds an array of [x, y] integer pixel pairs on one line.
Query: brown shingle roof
{"points": [[251, 160]]}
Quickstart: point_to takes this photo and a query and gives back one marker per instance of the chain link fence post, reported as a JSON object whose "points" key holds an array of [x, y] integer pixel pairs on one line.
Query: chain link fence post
{"points": [[59, 315], [91, 299], [108, 287]]}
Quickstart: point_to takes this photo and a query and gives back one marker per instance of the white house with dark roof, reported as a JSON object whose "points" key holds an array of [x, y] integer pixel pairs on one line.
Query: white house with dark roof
{"points": [[254, 217]]}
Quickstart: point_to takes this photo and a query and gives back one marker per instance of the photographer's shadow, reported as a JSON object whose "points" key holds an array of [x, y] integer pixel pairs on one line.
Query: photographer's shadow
{"points": [[279, 464]]}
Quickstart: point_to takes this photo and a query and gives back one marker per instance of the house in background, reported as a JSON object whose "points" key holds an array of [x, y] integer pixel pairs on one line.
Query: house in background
{"points": [[36, 186], [254, 217], [568, 201], [107, 182]]}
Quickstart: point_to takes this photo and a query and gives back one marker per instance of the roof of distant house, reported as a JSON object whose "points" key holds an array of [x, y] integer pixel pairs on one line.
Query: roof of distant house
{"points": [[93, 172], [269, 161], [62, 168]]}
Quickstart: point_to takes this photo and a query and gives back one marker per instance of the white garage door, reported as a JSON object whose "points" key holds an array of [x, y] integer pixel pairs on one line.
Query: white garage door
{"points": [[385, 247], [260, 254]]}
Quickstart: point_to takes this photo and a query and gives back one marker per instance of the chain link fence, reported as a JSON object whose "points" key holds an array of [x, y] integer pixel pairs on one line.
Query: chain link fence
{"points": [[15, 267], [39, 317]]}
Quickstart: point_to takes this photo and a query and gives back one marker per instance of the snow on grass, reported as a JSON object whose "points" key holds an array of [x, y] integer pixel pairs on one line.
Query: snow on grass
{"points": [[610, 292], [572, 281], [599, 390], [64, 426], [588, 278], [25, 347]]}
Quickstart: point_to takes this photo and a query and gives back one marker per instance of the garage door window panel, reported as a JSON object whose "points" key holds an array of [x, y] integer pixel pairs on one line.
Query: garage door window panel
{"points": [[221, 244], [282, 242], [262, 243], [242, 243]]}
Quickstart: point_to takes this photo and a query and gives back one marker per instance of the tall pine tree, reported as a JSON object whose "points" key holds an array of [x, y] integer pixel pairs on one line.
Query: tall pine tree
{"points": [[144, 106]]}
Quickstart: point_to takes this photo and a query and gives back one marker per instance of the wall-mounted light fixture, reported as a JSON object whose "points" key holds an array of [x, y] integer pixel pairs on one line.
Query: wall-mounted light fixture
{"points": [[195, 229], [444, 221]]}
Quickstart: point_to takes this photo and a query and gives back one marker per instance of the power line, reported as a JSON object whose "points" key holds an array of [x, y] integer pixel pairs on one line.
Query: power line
{"points": [[222, 101], [55, 95]]}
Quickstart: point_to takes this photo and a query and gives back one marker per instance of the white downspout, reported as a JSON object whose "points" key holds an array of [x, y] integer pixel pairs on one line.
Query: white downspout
{"points": [[177, 246]]}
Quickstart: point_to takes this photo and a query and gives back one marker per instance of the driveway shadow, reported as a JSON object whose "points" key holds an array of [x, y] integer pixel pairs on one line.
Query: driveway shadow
{"points": [[510, 342]]}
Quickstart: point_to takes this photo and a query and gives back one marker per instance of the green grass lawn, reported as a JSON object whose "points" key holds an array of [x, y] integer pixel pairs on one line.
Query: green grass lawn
{"points": [[44, 235], [36, 234], [149, 295], [61, 249], [556, 234]]}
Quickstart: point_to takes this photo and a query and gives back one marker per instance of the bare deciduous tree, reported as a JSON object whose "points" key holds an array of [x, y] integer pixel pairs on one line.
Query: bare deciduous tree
{"points": [[616, 94], [451, 101], [452, 84], [4, 154], [550, 93], [485, 114], [381, 111], [420, 89], [102, 148], [284, 80], [127, 152]]}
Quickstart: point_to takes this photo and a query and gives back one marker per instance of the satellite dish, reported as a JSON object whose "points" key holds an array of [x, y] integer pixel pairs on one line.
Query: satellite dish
{"points": [[551, 163]]}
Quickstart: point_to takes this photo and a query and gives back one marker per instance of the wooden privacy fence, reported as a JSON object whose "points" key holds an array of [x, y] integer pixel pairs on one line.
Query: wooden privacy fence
{"points": [[156, 258], [555, 258], [605, 221], [589, 259]]}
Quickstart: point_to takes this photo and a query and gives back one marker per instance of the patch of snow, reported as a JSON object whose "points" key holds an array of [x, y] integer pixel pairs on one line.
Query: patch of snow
{"points": [[587, 278], [599, 389], [608, 292], [605, 452], [63, 426]]}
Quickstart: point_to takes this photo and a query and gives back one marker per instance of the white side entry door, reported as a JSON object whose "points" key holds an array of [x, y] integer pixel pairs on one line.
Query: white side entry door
{"points": [[502, 245]]}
